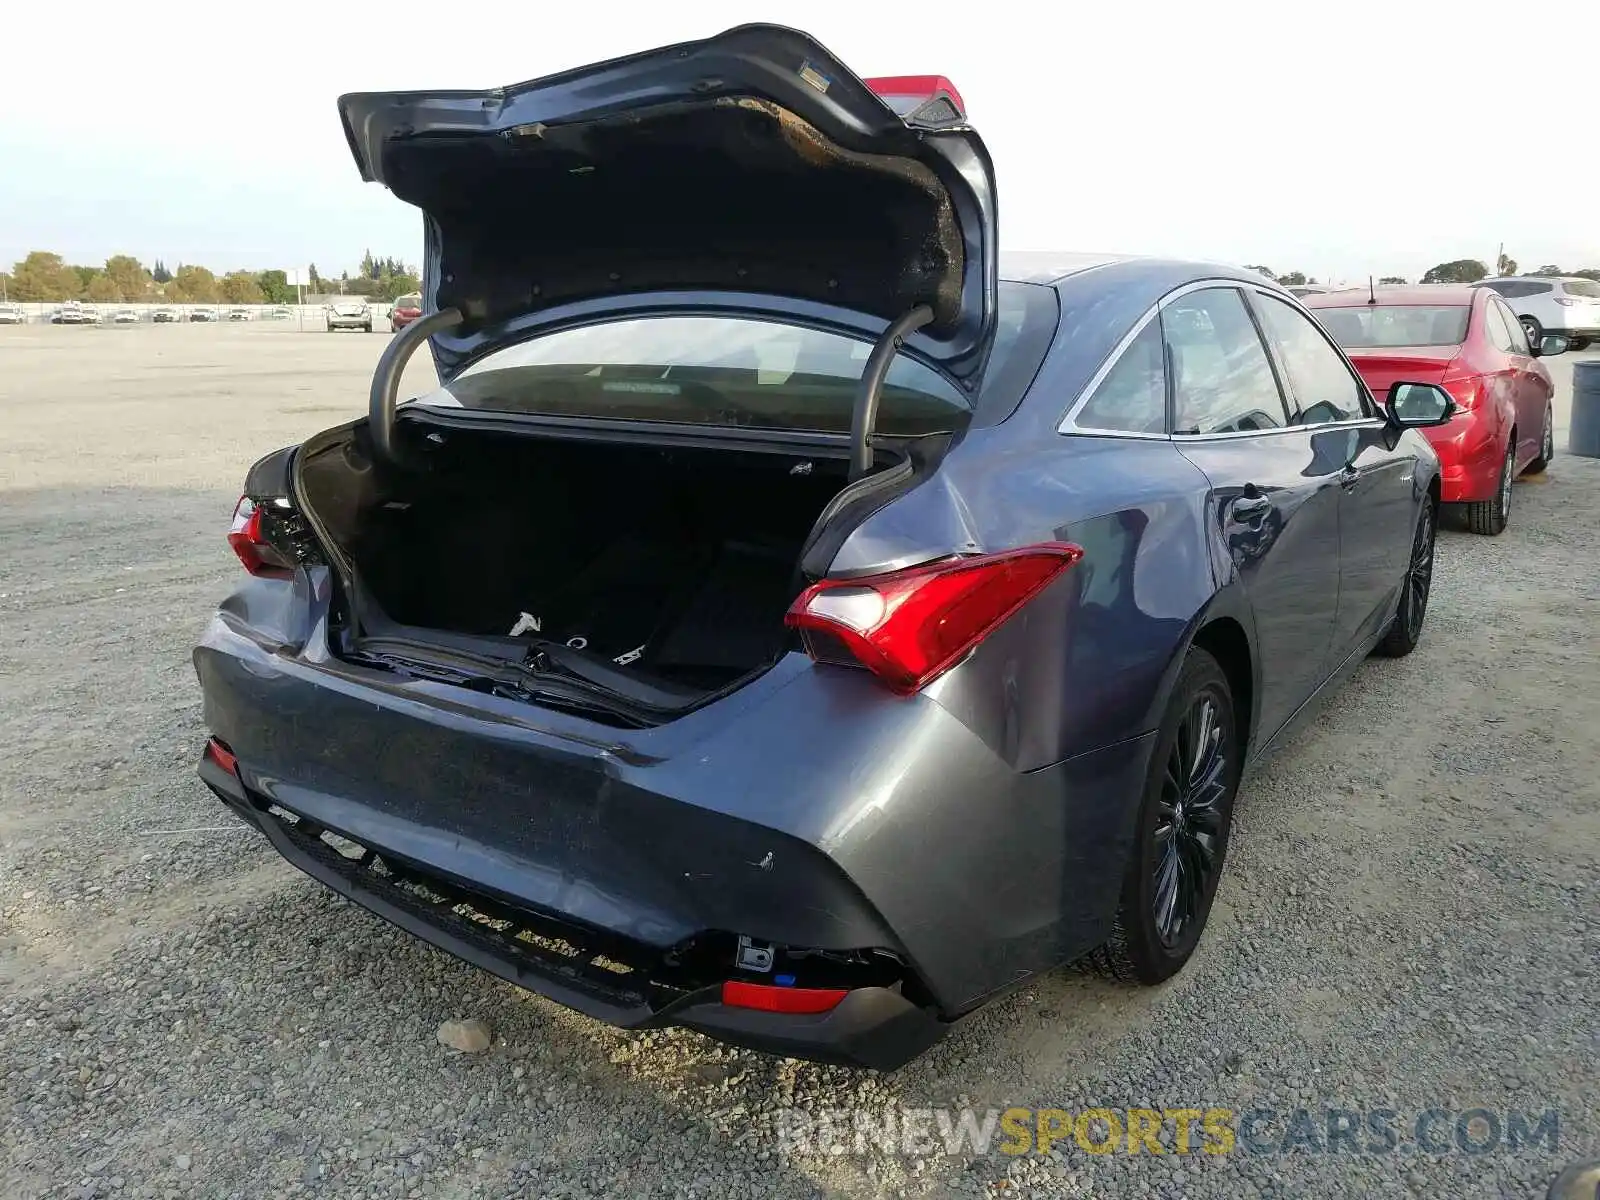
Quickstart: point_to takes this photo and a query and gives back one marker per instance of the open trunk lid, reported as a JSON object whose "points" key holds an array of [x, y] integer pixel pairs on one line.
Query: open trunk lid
{"points": [[753, 163]]}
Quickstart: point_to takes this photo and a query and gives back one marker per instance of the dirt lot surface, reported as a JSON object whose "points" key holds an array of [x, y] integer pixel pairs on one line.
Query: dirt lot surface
{"points": [[1410, 919]]}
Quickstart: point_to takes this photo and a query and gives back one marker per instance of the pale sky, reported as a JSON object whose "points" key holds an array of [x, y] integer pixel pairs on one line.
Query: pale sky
{"points": [[1377, 136]]}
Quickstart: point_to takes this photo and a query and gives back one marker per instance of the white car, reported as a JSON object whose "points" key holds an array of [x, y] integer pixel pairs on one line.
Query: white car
{"points": [[204, 313], [12, 314], [1564, 305], [72, 312], [125, 316], [167, 314], [349, 314]]}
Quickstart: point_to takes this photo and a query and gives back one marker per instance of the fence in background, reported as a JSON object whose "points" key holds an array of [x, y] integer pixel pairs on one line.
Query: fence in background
{"points": [[42, 312]]}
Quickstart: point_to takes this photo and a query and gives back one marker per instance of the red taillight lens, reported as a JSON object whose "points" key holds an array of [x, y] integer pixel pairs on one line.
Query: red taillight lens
{"points": [[1463, 391], [259, 556], [769, 998], [910, 626], [910, 95], [222, 756]]}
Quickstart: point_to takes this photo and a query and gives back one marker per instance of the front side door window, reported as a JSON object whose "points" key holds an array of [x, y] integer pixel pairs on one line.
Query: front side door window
{"points": [[1222, 379], [1325, 388]]}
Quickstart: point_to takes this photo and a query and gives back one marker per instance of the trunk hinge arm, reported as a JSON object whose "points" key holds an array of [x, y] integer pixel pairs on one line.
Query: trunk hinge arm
{"points": [[386, 379], [869, 389]]}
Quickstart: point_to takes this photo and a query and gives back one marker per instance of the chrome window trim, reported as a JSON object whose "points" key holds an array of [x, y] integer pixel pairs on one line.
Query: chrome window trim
{"points": [[1069, 423], [1232, 434]]}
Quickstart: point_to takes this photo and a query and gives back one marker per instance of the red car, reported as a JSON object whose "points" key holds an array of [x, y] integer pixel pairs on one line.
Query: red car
{"points": [[406, 310], [1467, 341]]}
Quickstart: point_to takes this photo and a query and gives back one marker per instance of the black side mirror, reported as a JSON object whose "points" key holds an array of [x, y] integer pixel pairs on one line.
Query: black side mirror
{"points": [[1418, 405], [1551, 343]]}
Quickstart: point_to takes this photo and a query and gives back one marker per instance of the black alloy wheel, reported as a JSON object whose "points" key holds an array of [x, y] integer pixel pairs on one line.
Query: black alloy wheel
{"points": [[1406, 631], [1189, 818], [1181, 831]]}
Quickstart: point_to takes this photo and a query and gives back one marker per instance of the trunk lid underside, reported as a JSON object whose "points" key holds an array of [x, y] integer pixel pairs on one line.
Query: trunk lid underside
{"points": [[753, 162]]}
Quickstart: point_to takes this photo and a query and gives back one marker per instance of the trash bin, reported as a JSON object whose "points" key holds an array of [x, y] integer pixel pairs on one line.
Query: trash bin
{"points": [[1583, 435]]}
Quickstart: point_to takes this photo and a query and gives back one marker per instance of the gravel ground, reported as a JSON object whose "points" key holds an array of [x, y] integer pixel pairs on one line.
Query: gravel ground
{"points": [[1409, 919]]}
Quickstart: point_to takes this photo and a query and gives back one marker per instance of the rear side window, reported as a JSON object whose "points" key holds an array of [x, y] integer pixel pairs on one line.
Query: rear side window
{"points": [[1324, 387], [1495, 326], [1581, 287], [1132, 398], [1222, 381]]}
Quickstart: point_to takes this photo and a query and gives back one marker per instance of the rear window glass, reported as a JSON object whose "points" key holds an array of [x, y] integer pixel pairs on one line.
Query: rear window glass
{"points": [[412, 301], [1581, 287], [1396, 325], [719, 370]]}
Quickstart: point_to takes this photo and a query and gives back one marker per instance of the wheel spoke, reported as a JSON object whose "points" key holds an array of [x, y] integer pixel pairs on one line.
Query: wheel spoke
{"points": [[1167, 886], [1203, 738]]}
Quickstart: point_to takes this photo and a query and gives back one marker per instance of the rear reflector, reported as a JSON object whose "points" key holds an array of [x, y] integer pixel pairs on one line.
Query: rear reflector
{"points": [[259, 556], [767, 998], [909, 627], [222, 756]]}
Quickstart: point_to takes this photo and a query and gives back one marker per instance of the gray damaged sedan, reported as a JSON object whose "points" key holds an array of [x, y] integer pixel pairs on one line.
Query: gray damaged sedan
{"points": [[777, 623]]}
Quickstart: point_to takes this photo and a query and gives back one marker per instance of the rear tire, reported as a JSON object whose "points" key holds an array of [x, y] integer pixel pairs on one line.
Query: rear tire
{"points": [[1547, 444], [1535, 331], [1489, 517], [1181, 832], [1406, 629]]}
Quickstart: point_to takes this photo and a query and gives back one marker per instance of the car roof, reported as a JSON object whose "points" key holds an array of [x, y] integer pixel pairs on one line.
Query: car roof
{"points": [[1535, 279], [1415, 293]]}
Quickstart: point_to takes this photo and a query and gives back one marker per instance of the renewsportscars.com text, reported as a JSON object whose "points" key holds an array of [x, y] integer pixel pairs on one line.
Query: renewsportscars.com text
{"points": [[920, 1132]]}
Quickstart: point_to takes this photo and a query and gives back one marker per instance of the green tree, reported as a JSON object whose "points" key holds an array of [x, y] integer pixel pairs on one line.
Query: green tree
{"points": [[400, 284], [103, 289], [42, 276], [1548, 269], [129, 276], [240, 287], [160, 273], [1589, 273], [85, 277], [193, 285], [1393, 279], [1461, 270], [275, 287], [1505, 265], [1267, 271], [1293, 279], [316, 280]]}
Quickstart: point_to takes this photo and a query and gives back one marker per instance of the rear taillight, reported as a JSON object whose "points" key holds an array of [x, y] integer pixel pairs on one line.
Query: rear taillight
{"points": [[920, 99], [218, 753], [1463, 391], [1567, 300], [910, 626], [259, 556]]}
